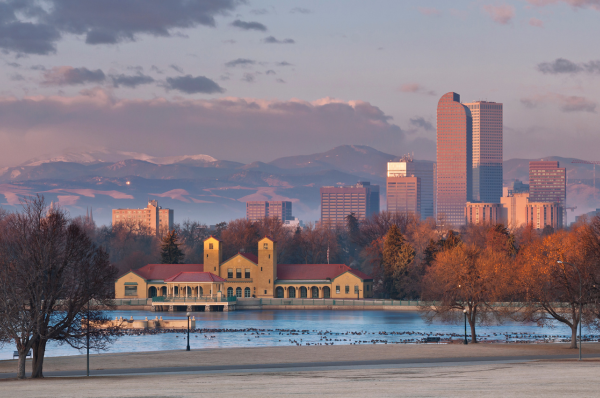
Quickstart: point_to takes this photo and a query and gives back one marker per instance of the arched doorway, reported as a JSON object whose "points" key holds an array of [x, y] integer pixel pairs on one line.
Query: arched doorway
{"points": [[279, 292], [229, 292], [315, 292], [176, 291], [303, 292], [238, 292], [163, 291], [247, 292], [292, 292], [152, 292], [326, 292], [189, 291], [200, 291]]}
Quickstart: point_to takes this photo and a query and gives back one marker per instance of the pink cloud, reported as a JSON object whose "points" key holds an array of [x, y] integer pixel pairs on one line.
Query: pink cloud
{"points": [[567, 103], [91, 193], [67, 200], [12, 193], [595, 4], [536, 22], [176, 194], [501, 14], [415, 88], [266, 193], [429, 11]]}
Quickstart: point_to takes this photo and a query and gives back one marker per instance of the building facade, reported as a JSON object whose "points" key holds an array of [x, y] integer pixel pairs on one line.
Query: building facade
{"points": [[337, 203], [514, 209], [153, 216], [244, 276], [487, 151], [259, 210], [425, 171], [548, 183], [403, 195], [542, 214], [454, 160], [478, 213]]}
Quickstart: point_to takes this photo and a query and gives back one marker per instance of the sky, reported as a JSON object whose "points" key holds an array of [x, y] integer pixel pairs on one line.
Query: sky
{"points": [[257, 80]]}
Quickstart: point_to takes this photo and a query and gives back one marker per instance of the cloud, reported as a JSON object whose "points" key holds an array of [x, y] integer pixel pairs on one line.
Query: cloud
{"points": [[131, 81], [69, 76], [501, 14], [100, 119], [249, 25], [284, 63], [13, 64], [176, 68], [300, 10], [259, 11], [272, 39], [420, 122], [270, 72], [280, 80], [536, 22], [562, 66], [240, 61], [156, 69], [429, 11], [416, 89], [249, 78], [38, 67], [193, 85], [566, 103], [34, 27], [573, 3], [17, 77]]}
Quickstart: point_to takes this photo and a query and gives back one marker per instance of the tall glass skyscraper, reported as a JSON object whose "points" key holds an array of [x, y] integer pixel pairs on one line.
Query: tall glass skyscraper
{"points": [[487, 151], [454, 160]]}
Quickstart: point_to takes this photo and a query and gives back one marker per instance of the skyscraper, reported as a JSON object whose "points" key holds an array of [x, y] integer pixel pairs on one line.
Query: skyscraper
{"points": [[454, 159], [425, 171], [548, 183], [337, 203], [403, 195], [259, 210], [487, 151]]}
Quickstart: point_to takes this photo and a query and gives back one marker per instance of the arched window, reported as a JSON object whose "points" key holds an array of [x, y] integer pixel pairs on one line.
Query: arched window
{"points": [[163, 291], [315, 292], [247, 292], [303, 292], [292, 292], [326, 292], [279, 292], [229, 292], [200, 291], [176, 291], [238, 292], [152, 292], [189, 291]]}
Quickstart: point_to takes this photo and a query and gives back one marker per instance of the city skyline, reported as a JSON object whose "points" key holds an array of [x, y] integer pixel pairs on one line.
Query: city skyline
{"points": [[290, 76]]}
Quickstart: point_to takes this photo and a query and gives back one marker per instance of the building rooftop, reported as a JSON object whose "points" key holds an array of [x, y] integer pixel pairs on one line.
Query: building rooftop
{"points": [[195, 277], [315, 271], [164, 271]]}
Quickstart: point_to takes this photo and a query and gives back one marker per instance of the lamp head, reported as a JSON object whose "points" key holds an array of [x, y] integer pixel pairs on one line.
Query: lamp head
{"points": [[559, 262], [188, 314], [465, 311]]}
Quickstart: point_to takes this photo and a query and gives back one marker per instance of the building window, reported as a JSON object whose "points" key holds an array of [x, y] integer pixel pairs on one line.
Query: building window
{"points": [[356, 289], [230, 273], [266, 246], [265, 292], [210, 246], [303, 292], [238, 292], [368, 287], [347, 289], [247, 292], [337, 289], [229, 292], [247, 273], [131, 290], [238, 273]]}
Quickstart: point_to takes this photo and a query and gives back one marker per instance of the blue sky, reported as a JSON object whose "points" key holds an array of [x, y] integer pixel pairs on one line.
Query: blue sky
{"points": [[341, 72]]}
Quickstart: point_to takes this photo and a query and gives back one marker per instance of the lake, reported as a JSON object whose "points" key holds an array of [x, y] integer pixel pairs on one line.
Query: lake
{"points": [[269, 328]]}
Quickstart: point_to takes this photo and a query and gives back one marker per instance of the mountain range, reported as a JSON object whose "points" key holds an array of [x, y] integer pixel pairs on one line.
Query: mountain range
{"points": [[202, 188]]}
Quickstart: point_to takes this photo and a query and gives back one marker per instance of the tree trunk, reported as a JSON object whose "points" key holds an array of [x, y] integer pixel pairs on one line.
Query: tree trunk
{"points": [[473, 335], [21, 364], [574, 335], [37, 364]]}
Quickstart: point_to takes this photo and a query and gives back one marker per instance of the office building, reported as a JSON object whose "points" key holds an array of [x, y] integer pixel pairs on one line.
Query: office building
{"points": [[259, 210], [403, 195], [487, 151], [514, 209], [542, 214], [548, 183], [425, 171], [153, 216], [514, 187], [479, 213], [337, 203], [454, 160]]}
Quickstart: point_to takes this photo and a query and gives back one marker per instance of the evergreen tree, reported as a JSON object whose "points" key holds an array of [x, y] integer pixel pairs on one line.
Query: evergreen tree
{"points": [[398, 256], [353, 234], [170, 252]]}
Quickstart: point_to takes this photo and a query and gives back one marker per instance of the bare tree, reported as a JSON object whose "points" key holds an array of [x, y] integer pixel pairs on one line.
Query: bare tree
{"points": [[54, 281]]}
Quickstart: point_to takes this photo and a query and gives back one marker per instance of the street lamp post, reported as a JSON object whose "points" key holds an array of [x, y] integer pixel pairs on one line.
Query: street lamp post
{"points": [[580, 302], [188, 332], [465, 312]]}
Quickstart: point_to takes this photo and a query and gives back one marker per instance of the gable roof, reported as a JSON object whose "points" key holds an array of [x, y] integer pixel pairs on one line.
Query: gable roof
{"points": [[164, 271], [195, 277], [250, 257], [315, 271]]}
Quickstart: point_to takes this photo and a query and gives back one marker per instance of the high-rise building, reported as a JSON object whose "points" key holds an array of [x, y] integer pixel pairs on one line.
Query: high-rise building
{"points": [[542, 214], [487, 151], [454, 160], [548, 183], [259, 210], [403, 195], [514, 209], [425, 171], [337, 203], [153, 216], [479, 213]]}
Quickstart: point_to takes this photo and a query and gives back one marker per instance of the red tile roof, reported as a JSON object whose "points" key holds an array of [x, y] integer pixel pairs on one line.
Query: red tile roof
{"points": [[250, 257], [195, 277], [315, 271], [164, 271]]}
